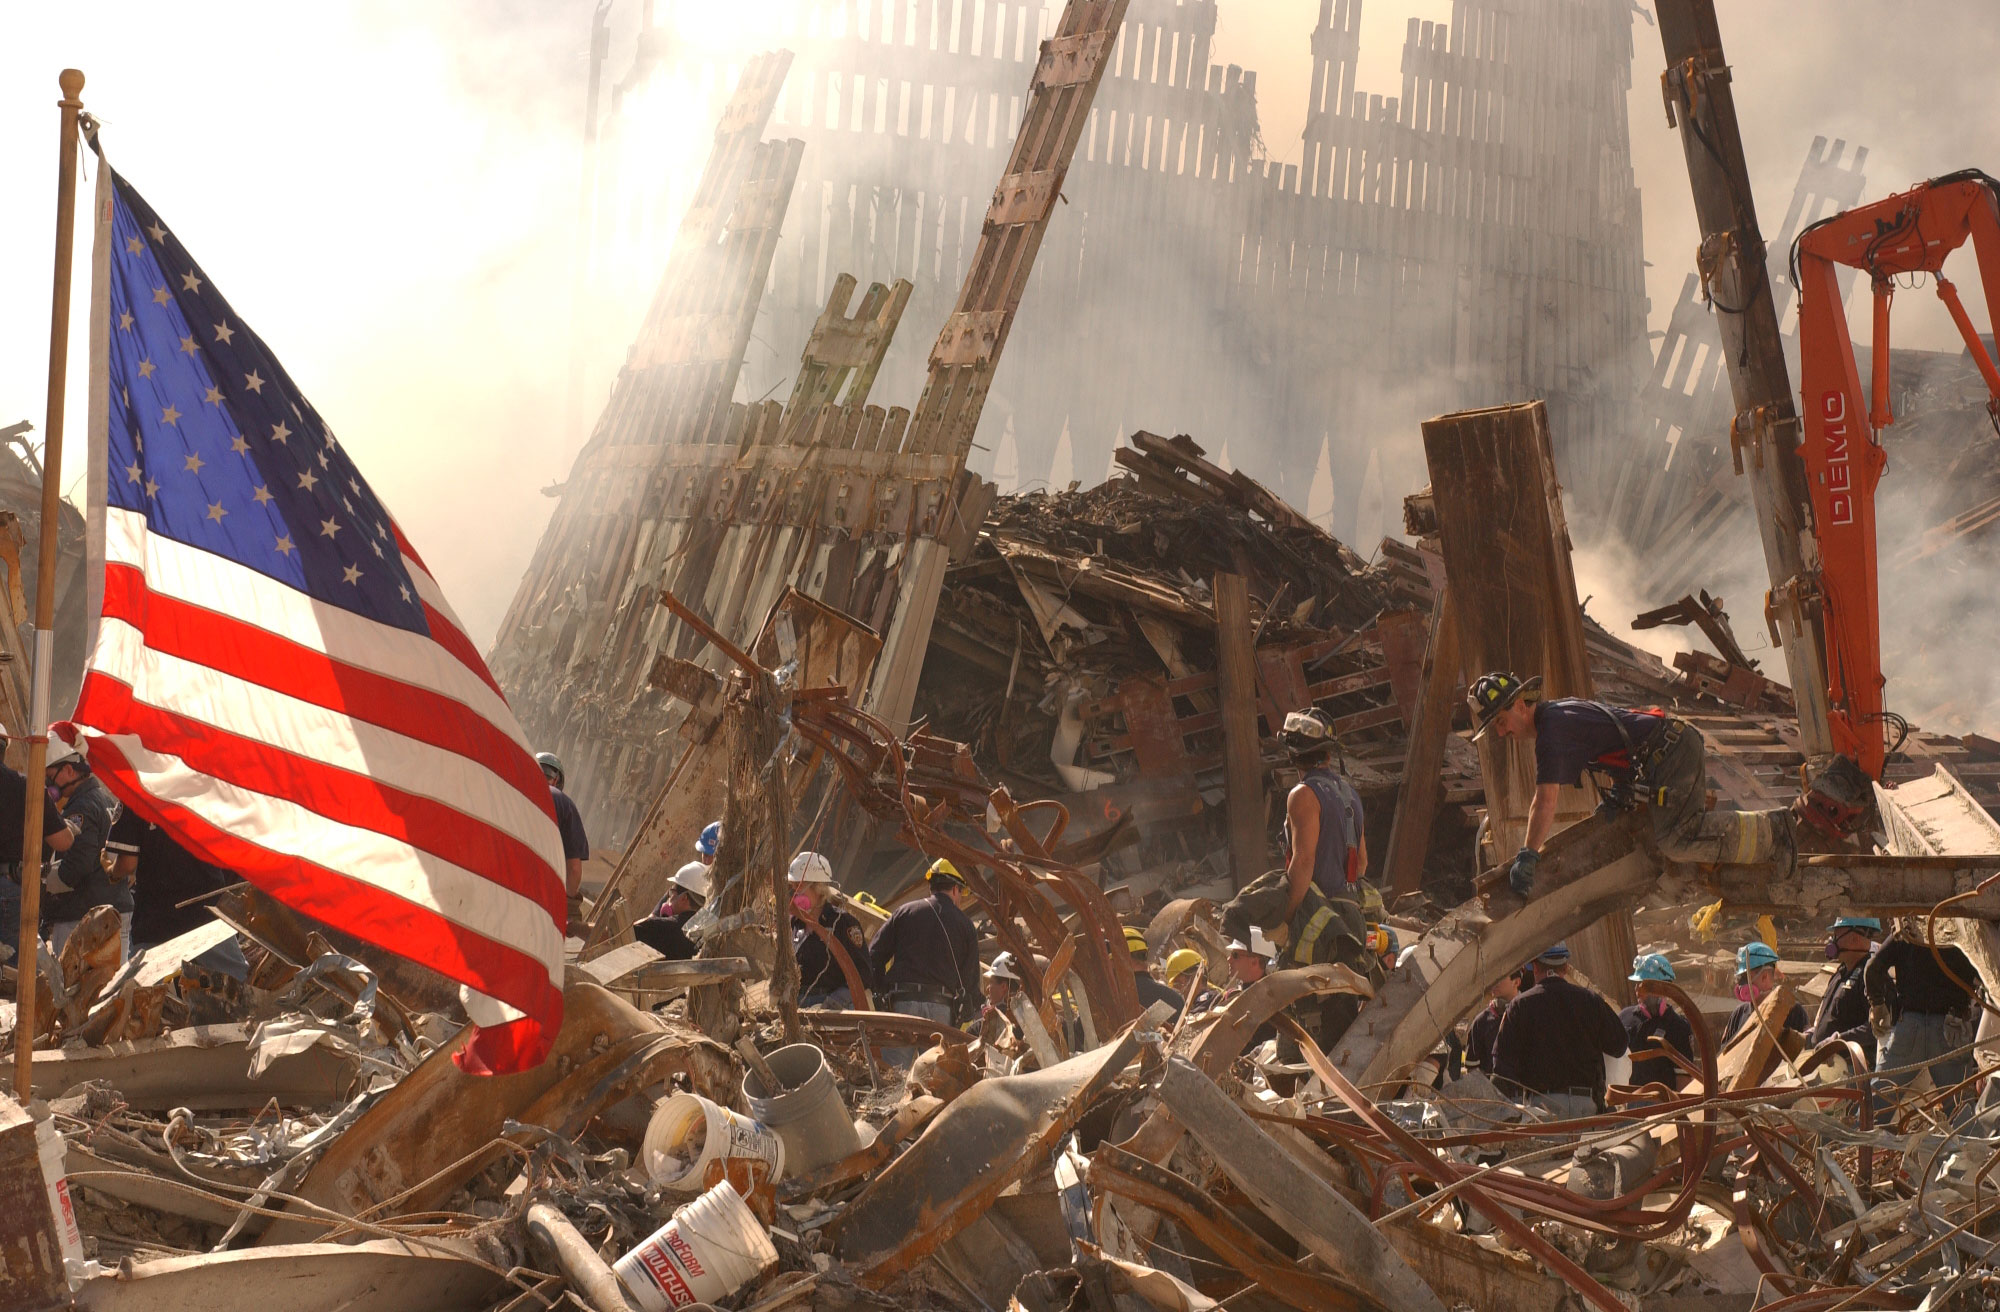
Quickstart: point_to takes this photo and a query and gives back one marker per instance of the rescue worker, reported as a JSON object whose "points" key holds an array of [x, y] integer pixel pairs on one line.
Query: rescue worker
{"points": [[56, 837], [1179, 963], [575, 842], [1149, 989], [665, 931], [1249, 961], [78, 882], [1652, 1023], [1922, 1015], [822, 983], [1640, 759], [1325, 845], [164, 875], [1553, 1040], [1318, 930], [1756, 976], [1843, 1008], [926, 957], [1486, 1025], [996, 1017]]}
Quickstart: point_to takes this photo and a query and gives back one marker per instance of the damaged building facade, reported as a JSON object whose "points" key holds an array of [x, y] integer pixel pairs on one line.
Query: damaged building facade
{"points": [[1472, 240]]}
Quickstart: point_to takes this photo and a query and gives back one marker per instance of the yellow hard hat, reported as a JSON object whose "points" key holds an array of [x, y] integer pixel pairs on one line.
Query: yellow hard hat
{"points": [[1135, 942], [1182, 961], [944, 869]]}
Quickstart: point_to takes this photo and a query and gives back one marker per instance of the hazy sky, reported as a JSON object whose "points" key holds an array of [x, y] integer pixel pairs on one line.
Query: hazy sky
{"points": [[387, 192]]}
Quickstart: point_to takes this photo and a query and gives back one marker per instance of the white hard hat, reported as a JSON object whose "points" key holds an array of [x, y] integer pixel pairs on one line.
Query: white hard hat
{"points": [[1003, 968], [65, 746], [810, 868], [1258, 944], [693, 877]]}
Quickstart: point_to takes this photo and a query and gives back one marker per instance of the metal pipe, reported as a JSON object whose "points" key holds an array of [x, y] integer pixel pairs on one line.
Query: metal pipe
{"points": [[556, 1240]]}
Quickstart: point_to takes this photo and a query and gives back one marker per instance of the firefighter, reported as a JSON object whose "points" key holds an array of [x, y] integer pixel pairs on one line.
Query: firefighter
{"points": [[665, 931], [927, 954], [822, 982], [1325, 846], [1150, 990], [1652, 1023], [1756, 976], [1486, 1025], [996, 1016], [1921, 1007], [1843, 1009], [1320, 930], [1553, 1040], [1641, 759]]}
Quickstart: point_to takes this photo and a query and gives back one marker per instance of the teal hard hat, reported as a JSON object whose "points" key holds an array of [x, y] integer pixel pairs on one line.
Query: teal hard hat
{"points": [[1654, 966], [1555, 954], [1751, 956], [1868, 924]]}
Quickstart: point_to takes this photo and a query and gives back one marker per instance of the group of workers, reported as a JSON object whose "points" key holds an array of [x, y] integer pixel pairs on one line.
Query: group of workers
{"points": [[1549, 1042]]}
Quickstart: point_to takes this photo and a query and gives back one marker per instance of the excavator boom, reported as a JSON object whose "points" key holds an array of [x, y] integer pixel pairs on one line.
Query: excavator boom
{"points": [[1904, 236]]}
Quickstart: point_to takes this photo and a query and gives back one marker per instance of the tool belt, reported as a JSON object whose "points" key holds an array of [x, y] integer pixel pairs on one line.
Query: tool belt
{"points": [[920, 993], [1648, 756]]}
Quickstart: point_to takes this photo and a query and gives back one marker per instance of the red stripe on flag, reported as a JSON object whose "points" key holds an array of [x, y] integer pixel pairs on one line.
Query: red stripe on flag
{"points": [[222, 642], [338, 794], [382, 919]]}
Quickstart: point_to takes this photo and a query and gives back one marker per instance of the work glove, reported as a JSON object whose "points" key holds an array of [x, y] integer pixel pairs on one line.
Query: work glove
{"points": [[1881, 1020], [1521, 873]]}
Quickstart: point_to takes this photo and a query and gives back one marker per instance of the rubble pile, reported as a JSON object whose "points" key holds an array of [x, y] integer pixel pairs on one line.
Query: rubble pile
{"points": [[323, 1144]]}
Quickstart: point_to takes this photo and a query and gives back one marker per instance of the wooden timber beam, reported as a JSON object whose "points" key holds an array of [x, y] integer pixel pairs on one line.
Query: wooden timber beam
{"points": [[1242, 755], [1506, 553], [1423, 780]]}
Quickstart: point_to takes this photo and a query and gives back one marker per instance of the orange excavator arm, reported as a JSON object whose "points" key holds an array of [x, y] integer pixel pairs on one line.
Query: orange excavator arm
{"points": [[1901, 236]]}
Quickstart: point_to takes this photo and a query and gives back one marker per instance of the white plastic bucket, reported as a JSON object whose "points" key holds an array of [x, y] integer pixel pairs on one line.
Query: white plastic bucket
{"points": [[712, 1248], [688, 1132]]}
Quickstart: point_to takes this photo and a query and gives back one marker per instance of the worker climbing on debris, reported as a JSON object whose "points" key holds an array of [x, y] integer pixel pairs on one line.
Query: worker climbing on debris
{"points": [[1653, 1024], [1150, 990], [1922, 1002], [1325, 845], [822, 982], [665, 931], [1843, 1009], [1486, 1025], [1640, 759], [1320, 930], [1756, 976], [1553, 1041], [926, 957], [575, 842], [77, 882]]}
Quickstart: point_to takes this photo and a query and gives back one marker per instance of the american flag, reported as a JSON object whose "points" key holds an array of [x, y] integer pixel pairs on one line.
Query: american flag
{"points": [[274, 676]]}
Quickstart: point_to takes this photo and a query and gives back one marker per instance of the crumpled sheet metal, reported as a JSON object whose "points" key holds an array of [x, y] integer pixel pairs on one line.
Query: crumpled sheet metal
{"points": [[979, 1145]]}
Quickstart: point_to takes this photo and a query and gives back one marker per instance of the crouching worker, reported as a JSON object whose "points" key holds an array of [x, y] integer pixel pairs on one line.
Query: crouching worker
{"points": [[1642, 760], [1321, 931], [822, 982], [665, 931], [1553, 1041]]}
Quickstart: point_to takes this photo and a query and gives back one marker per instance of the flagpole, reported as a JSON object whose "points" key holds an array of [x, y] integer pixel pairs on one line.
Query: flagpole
{"points": [[45, 590]]}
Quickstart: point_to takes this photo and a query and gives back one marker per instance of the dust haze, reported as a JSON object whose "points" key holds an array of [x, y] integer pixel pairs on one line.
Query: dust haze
{"points": [[390, 194]]}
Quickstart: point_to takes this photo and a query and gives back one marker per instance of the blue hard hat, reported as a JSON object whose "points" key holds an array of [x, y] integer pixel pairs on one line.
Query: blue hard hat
{"points": [[1555, 954], [1654, 966], [711, 838], [1868, 924], [1753, 955]]}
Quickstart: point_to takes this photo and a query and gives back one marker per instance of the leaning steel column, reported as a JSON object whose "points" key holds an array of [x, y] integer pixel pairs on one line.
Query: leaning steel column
{"points": [[1736, 278], [1507, 565]]}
